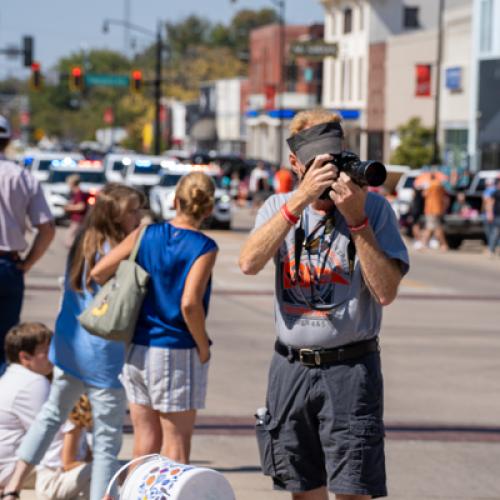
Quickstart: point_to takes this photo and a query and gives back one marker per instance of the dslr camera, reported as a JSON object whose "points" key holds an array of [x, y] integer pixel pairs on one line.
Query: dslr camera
{"points": [[326, 138], [363, 173]]}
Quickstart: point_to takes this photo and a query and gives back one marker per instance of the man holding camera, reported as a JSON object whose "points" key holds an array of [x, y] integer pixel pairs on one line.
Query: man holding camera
{"points": [[339, 258]]}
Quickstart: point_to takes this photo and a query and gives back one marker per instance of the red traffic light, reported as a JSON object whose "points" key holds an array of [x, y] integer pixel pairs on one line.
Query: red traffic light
{"points": [[136, 81], [36, 76], [76, 79]]}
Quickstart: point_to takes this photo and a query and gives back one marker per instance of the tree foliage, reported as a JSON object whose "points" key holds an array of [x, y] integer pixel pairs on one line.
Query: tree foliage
{"points": [[197, 51], [415, 148], [60, 112]]}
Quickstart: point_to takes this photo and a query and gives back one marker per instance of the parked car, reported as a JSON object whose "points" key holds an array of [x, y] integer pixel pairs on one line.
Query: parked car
{"points": [[115, 166], [161, 197], [56, 189], [404, 196], [40, 163], [145, 171], [459, 227], [479, 181]]}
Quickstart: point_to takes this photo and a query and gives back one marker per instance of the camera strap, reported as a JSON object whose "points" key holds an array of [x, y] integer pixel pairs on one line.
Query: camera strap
{"points": [[301, 241]]}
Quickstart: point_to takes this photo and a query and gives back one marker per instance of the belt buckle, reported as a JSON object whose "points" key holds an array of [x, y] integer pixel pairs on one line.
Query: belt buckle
{"points": [[314, 352]]}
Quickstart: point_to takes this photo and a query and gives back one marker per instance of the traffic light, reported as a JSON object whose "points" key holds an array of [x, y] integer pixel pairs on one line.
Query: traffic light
{"points": [[136, 81], [76, 79], [28, 51], [36, 77]]}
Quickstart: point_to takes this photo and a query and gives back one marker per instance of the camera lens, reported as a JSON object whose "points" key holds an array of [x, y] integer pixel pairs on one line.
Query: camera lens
{"points": [[374, 172]]}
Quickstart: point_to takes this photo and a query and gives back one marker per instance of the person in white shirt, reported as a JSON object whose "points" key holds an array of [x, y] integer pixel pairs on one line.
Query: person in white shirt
{"points": [[24, 388]]}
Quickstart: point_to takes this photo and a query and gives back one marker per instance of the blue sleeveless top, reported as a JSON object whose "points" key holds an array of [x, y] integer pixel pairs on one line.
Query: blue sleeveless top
{"points": [[167, 253]]}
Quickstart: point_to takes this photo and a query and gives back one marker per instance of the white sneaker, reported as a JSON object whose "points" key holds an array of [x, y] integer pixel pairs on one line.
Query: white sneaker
{"points": [[434, 244], [418, 245]]}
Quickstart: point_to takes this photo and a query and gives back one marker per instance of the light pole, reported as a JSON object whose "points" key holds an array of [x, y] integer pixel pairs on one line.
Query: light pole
{"points": [[158, 70], [435, 137], [281, 6], [281, 87]]}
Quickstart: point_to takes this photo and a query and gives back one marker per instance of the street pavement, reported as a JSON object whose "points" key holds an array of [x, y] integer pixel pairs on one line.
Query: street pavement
{"points": [[440, 349]]}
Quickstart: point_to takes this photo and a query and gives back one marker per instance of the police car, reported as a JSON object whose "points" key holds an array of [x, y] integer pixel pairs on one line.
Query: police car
{"points": [[116, 166], [57, 192], [40, 163], [161, 197], [144, 171]]}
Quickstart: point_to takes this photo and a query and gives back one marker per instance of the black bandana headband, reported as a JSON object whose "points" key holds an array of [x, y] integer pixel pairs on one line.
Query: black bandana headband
{"points": [[316, 140]]}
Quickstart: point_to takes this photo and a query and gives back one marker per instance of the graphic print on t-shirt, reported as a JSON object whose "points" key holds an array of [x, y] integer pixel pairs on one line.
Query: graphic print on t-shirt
{"points": [[322, 277]]}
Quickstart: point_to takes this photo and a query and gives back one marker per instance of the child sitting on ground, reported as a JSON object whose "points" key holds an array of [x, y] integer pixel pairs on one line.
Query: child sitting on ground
{"points": [[25, 387]]}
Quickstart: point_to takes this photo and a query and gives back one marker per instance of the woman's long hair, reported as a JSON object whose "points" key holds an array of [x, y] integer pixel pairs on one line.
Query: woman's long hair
{"points": [[102, 224]]}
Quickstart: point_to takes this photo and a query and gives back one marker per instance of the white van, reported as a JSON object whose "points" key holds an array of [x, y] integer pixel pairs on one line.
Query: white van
{"points": [[40, 164]]}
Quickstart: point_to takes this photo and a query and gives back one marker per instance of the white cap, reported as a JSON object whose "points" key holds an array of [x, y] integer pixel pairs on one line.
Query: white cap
{"points": [[5, 131]]}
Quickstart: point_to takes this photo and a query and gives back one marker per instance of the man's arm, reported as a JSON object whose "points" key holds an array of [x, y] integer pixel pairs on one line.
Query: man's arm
{"points": [[263, 243], [75, 207], [381, 273], [44, 237]]}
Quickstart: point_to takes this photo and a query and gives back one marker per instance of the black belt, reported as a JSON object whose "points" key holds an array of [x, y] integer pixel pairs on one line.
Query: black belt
{"points": [[309, 356], [10, 254]]}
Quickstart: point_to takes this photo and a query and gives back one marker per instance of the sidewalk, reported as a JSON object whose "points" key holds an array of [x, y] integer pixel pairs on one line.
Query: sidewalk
{"points": [[424, 470]]}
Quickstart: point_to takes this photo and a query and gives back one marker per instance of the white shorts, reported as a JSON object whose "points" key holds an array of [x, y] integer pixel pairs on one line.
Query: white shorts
{"points": [[167, 380]]}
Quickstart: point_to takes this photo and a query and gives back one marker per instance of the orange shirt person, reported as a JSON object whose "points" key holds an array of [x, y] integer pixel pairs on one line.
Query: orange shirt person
{"points": [[283, 181]]}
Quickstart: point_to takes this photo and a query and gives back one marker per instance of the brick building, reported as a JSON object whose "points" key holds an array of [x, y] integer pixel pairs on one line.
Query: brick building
{"points": [[278, 87]]}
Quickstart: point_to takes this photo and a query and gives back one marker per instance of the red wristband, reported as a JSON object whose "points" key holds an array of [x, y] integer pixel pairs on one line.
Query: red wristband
{"points": [[355, 229], [288, 216]]}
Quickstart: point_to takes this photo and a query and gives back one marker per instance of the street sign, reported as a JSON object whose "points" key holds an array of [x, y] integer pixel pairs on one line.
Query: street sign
{"points": [[314, 49], [102, 80]]}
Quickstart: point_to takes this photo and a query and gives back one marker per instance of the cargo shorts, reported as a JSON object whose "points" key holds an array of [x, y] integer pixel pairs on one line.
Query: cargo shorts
{"points": [[324, 427]]}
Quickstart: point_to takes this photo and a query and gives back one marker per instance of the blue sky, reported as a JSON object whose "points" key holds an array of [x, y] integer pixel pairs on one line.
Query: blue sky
{"points": [[63, 26]]}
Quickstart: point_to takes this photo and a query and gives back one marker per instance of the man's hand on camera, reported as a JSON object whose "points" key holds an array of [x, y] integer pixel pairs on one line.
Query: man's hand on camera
{"points": [[349, 198], [318, 177]]}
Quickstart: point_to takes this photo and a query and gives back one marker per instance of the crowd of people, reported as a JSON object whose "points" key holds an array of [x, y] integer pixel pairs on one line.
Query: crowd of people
{"points": [[162, 374], [262, 182]]}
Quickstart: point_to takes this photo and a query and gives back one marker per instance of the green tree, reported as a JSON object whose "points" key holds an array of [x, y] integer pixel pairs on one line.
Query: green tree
{"points": [[191, 32], [415, 149]]}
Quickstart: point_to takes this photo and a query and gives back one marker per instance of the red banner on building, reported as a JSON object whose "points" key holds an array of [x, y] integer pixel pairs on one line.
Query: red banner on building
{"points": [[423, 80], [270, 93]]}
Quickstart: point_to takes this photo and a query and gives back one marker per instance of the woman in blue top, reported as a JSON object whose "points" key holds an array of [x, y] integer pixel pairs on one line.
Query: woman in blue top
{"points": [[165, 374], [85, 363]]}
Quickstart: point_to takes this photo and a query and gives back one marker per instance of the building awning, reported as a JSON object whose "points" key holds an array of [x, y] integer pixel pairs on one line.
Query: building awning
{"points": [[204, 130]]}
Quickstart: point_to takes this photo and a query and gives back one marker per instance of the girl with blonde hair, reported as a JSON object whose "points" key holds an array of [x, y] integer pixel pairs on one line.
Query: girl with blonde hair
{"points": [[165, 373], [83, 362]]}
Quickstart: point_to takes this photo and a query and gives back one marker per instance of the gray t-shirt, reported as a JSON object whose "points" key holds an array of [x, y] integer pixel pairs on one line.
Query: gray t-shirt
{"points": [[21, 197], [330, 274]]}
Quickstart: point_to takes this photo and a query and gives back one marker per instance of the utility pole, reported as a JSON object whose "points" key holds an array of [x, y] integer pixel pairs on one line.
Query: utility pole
{"points": [[126, 16], [435, 139], [282, 86], [157, 90]]}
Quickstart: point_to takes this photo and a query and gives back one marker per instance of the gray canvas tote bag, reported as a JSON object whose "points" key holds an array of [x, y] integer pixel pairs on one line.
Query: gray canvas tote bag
{"points": [[114, 310]]}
